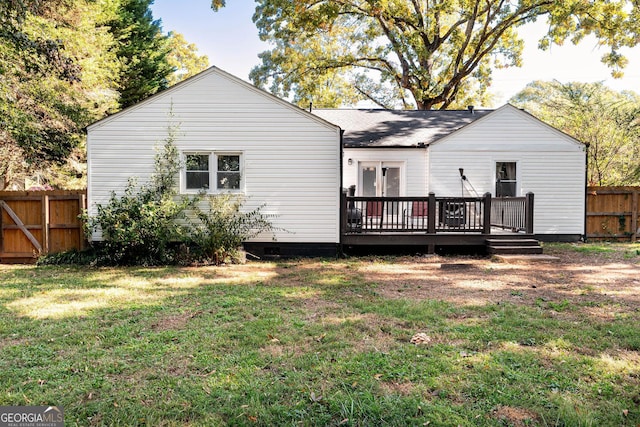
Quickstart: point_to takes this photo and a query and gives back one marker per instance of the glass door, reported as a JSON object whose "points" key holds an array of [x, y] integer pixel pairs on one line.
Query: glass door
{"points": [[380, 179], [368, 180]]}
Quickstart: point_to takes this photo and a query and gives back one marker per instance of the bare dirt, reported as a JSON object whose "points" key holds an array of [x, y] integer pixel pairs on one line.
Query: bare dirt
{"points": [[605, 284]]}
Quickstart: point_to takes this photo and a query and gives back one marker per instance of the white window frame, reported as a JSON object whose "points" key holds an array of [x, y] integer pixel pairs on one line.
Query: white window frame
{"points": [[379, 164], [495, 176], [213, 172]]}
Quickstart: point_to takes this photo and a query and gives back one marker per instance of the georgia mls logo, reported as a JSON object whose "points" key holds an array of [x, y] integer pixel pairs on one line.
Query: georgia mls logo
{"points": [[31, 416]]}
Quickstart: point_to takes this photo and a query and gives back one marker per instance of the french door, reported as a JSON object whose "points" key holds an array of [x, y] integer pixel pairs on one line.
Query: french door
{"points": [[380, 179]]}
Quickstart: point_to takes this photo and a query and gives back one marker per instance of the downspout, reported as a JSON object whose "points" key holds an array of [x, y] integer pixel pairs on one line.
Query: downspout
{"points": [[586, 189], [341, 211]]}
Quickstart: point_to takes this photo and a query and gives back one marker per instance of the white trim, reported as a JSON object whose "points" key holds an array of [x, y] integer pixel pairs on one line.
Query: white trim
{"points": [[379, 164], [518, 163], [213, 171], [523, 114]]}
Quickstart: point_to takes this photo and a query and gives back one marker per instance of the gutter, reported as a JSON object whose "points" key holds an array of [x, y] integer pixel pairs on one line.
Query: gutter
{"points": [[340, 191]]}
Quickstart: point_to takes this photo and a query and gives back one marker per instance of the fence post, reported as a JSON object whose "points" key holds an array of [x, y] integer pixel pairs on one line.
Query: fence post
{"points": [[528, 213], [634, 217], [486, 224], [431, 214], [46, 244]]}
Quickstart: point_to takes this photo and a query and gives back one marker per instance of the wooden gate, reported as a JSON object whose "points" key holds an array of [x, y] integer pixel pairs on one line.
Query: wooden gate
{"points": [[33, 223], [612, 213]]}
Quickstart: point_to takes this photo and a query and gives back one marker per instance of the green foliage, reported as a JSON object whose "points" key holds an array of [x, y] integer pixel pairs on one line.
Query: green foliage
{"points": [[140, 227], [605, 120], [218, 231], [315, 342], [152, 225], [142, 51], [55, 65], [183, 58], [422, 54], [67, 63]]}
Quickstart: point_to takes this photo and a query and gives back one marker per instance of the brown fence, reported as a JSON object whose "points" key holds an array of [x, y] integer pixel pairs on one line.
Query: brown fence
{"points": [[33, 223], [612, 213]]}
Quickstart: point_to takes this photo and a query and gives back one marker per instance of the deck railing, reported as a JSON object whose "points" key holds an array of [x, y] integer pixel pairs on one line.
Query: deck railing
{"points": [[435, 214], [513, 213]]}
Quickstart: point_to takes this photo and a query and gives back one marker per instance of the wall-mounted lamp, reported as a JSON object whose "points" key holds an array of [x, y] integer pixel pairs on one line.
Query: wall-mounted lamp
{"points": [[350, 161]]}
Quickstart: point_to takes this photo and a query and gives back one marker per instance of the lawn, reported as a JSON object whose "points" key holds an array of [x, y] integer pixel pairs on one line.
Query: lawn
{"points": [[328, 342]]}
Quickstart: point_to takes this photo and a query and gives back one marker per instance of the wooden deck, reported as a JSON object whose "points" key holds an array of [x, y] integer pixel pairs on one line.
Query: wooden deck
{"points": [[435, 221]]}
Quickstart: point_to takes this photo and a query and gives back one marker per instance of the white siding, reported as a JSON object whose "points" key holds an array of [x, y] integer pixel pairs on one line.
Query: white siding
{"points": [[290, 158], [549, 164], [414, 161]]}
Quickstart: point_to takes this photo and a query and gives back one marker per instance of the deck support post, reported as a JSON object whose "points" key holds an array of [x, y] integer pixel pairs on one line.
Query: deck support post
{"points": [[343, 213], [486, 223], [431, 220], [528, 212]]}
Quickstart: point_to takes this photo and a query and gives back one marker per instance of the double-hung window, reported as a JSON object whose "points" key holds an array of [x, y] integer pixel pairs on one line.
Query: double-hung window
{"points": [[212, 171], [506, 179]]}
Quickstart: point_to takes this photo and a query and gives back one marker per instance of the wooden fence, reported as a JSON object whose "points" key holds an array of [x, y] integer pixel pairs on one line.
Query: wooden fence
{"points": [[612, 213], [33, 223], [39, 222]]}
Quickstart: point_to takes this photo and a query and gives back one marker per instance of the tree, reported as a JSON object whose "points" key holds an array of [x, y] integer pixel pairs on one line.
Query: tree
{"points": [[606, 120], [55, 78], [419, 53], [142, 51], [183, 58]]}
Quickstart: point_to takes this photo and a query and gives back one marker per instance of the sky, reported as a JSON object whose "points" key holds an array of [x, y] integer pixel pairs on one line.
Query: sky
{"points": [[230, 39]]}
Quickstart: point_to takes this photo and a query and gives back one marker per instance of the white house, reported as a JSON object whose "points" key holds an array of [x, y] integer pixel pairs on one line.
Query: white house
{"points": [[506, 152], [233, 138], [236, 138]]}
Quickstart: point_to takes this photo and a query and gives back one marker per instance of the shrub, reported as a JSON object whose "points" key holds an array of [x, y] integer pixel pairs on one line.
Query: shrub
{"points": [[151, 225], [218, 231], [140, 227]]}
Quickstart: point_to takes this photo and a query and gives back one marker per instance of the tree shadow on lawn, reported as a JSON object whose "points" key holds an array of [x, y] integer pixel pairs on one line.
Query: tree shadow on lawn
{"points": [[298, 340]]}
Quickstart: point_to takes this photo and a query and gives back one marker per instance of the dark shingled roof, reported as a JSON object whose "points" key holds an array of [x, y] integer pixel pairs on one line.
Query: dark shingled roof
{"points": [[397, 128]]}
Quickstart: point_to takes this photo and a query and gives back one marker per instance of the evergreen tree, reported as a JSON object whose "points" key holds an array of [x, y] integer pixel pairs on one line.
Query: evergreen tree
{"points": [[142, 52]]}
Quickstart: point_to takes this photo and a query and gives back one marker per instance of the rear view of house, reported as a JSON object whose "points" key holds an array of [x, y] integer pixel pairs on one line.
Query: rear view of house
{"points": [[233, 138], [418, 177], [506, 153]]}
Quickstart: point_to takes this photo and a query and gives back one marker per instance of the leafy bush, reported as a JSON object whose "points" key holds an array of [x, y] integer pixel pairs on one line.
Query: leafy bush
{"points": [[218, 231], [152, 225], [140, 227]]}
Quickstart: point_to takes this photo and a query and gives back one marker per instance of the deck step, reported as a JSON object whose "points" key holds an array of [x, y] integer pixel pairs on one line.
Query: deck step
{"points": [[512, 242], [514, 250], [513, 247]]}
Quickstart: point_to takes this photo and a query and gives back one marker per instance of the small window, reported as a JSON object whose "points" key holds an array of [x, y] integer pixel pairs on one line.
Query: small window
{"points": [[197, 171], [228, 173], [506, 180]]}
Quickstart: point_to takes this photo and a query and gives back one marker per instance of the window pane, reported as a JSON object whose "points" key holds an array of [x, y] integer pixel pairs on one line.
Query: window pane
{"points": [[369, 181], [392, 182], [228, 163], [506, 171], [198, 162], [197, 180], [228, 180], [506, 181]]}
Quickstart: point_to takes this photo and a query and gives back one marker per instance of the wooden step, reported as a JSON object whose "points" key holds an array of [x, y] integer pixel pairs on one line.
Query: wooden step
{"points": [[514, 250], [512, 242]]}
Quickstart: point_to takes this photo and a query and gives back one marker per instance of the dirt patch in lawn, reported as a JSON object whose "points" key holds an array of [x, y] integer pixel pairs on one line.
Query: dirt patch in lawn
{"points": [[601, 285], [516, 417]]}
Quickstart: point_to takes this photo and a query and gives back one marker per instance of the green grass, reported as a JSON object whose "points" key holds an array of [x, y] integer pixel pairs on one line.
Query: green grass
{"points": [[303, 343]]}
